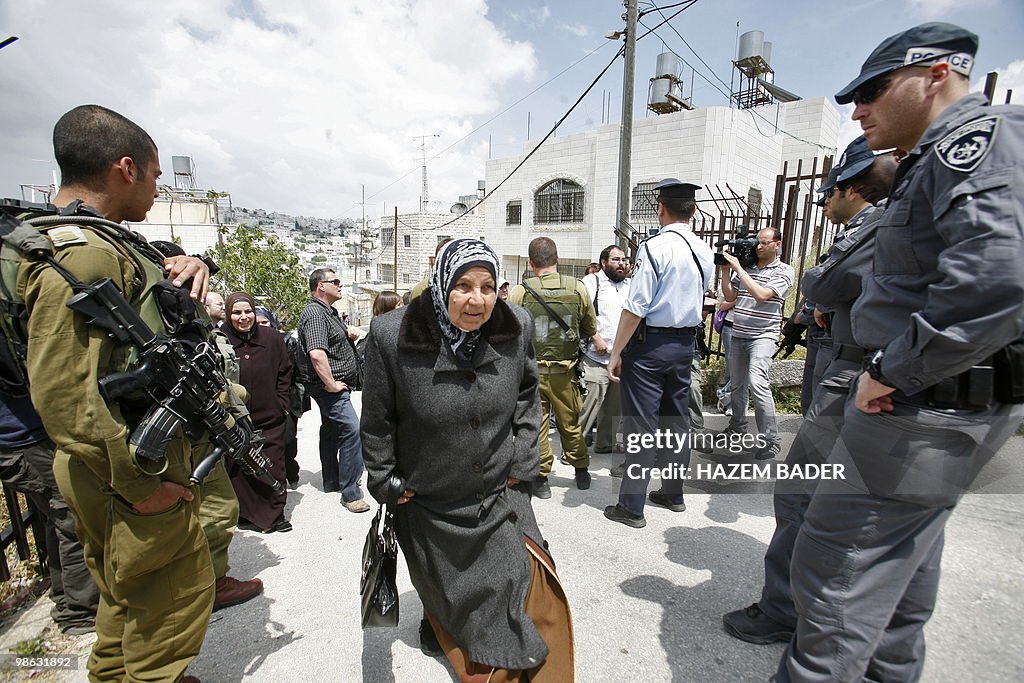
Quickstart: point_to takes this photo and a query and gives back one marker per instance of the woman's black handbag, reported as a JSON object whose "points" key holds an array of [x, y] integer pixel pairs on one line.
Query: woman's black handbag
{"points": [[377, 586]]}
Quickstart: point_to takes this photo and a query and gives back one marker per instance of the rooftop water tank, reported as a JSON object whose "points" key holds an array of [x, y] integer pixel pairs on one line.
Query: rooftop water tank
{"points": [[751, 45], [667, 65]]}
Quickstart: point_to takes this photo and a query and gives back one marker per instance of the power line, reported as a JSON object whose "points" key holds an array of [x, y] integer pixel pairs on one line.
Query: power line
{"points": [[659, 9], [727, 95], [688, 3], [496, 116], [546, 137]]}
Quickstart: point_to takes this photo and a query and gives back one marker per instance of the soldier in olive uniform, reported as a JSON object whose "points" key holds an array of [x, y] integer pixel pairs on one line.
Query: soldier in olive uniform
{"points": [[143, 539], [557, 349], [942, 321]]}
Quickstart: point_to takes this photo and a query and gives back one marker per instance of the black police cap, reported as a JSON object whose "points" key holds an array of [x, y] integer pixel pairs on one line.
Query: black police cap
{"points": [[922, 45], [829, 183], [857, 158], [673, 188]]}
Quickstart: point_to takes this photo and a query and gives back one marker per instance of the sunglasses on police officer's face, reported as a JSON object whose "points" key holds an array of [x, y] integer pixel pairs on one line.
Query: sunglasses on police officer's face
{"points": [[872, 90]]}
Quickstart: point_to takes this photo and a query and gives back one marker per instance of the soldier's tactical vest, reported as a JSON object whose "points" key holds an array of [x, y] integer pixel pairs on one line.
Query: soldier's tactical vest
{"points": [[42, 234], [552, 343]]}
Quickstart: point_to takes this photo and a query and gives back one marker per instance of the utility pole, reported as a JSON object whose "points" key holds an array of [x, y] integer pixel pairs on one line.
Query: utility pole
{"points": [[622, 202], [362, 231], [396, 250], [425, 197]]}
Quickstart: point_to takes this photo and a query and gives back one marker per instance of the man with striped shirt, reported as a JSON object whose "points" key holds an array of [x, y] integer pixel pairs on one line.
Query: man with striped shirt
{"points": [[759, 294]]}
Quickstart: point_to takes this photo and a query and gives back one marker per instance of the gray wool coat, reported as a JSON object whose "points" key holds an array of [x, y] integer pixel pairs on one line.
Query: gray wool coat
{"points": [[454, 435]]}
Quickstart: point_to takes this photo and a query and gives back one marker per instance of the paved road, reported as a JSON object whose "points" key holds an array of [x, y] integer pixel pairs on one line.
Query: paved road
{"points": [[647, 604]]}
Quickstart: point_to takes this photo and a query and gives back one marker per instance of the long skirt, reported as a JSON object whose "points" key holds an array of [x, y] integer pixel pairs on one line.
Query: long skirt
{"points": [[547, 607], [257, 502]]}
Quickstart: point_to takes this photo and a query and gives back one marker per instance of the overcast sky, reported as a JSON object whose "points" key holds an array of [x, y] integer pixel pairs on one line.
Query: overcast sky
{"points": [[292, 106]]}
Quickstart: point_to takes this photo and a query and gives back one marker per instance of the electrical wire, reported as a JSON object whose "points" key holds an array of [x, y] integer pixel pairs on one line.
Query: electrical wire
{"points": [[496, 116], [727, 95], [659, 9], [551, 132], [620, 52]]}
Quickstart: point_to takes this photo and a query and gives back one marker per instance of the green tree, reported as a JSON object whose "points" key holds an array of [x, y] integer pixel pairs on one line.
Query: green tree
{"points": [[260, 264]]}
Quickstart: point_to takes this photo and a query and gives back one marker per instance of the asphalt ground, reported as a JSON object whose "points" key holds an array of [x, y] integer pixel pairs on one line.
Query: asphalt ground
{"points": [[647, 604]]}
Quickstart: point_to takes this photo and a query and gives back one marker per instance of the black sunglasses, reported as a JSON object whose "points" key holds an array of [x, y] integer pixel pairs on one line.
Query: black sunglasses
{"points": [[336, 282], [872, 90]]}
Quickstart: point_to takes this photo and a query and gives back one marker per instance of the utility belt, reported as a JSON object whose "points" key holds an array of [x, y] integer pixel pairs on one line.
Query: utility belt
{"points": [[557, 368], [849, 352], [998, 379], [673, 331]]}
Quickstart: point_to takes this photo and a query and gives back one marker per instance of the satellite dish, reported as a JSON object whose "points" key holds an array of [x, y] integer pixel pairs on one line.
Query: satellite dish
{"points": [[458, 207]]}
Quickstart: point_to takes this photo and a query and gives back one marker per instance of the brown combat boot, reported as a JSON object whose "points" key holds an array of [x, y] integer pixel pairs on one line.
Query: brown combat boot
{"points": [[231, 591]]}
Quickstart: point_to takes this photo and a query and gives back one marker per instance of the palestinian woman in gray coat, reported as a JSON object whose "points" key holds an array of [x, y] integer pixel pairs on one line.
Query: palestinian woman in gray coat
{"points": [[449, 430]]}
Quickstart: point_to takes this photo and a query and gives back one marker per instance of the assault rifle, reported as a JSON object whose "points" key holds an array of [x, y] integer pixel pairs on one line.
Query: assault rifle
{"points": [[792, 334], [184, 383]]}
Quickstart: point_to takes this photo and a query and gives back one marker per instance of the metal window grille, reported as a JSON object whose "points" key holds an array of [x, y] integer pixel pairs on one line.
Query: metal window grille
{"points": [[560, 201], [514, 212]]}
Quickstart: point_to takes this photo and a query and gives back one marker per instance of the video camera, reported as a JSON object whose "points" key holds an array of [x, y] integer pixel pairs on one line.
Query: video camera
{"points": [[744, 248]]}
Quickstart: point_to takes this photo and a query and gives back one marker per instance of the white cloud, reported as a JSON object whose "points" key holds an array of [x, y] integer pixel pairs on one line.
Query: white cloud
{"points": [[576, 29], [533, 17], [849, 130], [287, 107], [927, 10], [1011, 77]]}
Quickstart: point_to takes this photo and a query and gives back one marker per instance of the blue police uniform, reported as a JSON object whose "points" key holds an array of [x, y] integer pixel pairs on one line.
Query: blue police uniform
{"points": [[945, 306], [672, 271]]}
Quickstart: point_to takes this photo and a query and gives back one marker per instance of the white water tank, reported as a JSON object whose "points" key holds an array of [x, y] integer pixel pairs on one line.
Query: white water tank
{"points": [[667, 65], [751, 45], [766, 52]]}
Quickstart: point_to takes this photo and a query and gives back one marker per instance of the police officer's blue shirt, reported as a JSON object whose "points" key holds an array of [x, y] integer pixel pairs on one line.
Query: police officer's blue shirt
{"points": [[667, 287], [948, 285]]}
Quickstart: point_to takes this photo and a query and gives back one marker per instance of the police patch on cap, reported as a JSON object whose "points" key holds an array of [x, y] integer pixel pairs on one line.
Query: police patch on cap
{"points": [[966, 147]]}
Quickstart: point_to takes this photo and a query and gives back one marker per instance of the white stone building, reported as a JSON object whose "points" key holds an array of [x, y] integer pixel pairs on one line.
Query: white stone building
{"points": [[418, 237], [567, 191], [190, 217]]}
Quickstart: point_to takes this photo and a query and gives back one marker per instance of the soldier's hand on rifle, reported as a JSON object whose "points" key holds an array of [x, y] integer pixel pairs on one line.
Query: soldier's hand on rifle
{"points": [[164, 498], [181, 268]]}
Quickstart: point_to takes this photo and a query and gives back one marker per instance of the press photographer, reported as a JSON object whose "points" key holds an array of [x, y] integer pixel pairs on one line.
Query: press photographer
{"points": [[759, 290]]}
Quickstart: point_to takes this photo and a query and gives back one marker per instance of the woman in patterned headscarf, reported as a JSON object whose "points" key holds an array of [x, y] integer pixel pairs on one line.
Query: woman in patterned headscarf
{"points": [[449, 431]]}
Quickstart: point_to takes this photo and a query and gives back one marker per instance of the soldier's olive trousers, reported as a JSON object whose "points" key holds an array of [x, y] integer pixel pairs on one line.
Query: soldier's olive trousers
{"points": [[865, 566], [601, 404], [154, 575], [813, 443], [558, 394], [218, 513], [74, 593]]}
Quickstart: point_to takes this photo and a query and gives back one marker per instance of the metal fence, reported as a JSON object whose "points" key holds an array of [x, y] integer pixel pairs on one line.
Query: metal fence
{"points": [[725, 213], [16, 533]]}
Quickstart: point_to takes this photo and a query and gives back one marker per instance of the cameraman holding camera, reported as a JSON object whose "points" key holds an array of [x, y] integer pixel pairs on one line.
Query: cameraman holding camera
{"points": [[759, 294]]}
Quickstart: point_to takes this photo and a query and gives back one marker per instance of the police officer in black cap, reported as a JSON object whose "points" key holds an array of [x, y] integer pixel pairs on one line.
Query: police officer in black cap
{"points": [[942, 320], [654, 348]]}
